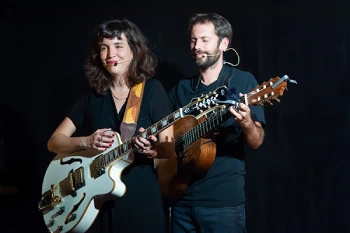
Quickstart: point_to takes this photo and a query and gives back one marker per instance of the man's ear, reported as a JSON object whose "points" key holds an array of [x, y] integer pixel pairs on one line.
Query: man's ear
{"points": [[224, 44]]}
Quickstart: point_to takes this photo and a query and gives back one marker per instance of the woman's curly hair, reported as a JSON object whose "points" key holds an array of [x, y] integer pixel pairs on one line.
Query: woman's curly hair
{"points": [[141, 67]]}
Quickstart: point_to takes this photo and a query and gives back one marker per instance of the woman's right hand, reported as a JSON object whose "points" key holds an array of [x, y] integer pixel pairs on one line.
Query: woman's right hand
{"points": [[101, 139]]}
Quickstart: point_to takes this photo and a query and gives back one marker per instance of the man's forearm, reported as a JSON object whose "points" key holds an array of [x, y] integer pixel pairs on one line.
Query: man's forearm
{"points": [[254, 135]]}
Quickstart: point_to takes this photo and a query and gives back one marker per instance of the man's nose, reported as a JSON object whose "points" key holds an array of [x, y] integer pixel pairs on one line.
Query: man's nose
{"points": [[197, 45]]}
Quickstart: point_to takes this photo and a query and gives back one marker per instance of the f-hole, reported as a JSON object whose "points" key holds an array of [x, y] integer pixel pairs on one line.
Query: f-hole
{"points": [[75, 208], [70, 161]]}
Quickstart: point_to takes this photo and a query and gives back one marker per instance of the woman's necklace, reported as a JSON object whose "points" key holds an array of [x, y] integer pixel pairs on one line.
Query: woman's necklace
{"points": [[117, 97]]}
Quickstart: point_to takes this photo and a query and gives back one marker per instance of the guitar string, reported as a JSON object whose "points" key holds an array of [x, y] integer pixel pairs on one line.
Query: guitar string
{"points": [[107, 154], [199, 128], [129, 141], [209, 121]]}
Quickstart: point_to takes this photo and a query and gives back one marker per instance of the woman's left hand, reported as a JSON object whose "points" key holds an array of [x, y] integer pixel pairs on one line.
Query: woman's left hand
{"points": [[146, 146]]}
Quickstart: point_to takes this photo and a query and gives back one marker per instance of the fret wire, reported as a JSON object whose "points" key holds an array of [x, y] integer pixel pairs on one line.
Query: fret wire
{"points": [[199, 132], [159, 126], [104, 160], [190, 140]]}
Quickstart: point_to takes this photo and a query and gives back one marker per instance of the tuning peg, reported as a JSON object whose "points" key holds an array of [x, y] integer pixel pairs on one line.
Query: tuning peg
{"points": [[276, 98], [269, 102]]}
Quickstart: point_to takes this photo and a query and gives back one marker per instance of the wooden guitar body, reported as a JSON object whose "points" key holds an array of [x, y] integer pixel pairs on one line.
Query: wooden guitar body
{"points": [[190, 163]]}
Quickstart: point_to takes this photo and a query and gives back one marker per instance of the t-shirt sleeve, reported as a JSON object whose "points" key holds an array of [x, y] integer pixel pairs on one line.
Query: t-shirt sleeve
{"points": [[78, 112], [257, 112]]}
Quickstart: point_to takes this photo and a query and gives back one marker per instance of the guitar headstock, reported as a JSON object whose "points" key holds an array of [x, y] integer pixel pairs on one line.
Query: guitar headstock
{"points": [[205, 102], [267, 91], [263, 93]]}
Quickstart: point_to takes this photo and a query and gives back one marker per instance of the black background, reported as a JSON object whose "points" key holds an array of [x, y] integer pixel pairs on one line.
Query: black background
{"points": [[297, 181]]}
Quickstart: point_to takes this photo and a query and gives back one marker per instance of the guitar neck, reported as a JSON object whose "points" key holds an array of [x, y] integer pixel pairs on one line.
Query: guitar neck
{"points": [[216, 118], [194, 108], [128, 145]]}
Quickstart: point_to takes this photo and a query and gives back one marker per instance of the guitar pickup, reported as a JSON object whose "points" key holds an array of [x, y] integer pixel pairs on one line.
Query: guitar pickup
{"points": [[96, 167], [73, 182]]}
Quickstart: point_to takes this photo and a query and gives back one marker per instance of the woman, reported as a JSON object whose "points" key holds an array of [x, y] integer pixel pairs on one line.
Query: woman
{"points": [[119, 60]]}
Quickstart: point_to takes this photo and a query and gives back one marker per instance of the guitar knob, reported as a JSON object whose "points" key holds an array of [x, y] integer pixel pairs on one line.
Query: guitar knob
{"points": [[62, 209], [60, 228], [51, 222]]}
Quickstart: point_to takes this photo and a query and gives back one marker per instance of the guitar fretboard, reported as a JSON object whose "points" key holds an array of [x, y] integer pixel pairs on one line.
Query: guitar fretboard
{"points": [[128, 145], [185, 140], [194, 108]]}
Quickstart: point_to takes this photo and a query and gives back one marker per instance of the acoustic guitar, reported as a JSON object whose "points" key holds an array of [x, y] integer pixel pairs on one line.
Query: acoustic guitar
{"points": [[194, 145]]}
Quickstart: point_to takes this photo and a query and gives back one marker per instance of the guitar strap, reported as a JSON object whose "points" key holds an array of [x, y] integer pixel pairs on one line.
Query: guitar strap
{"points": [[128, 125]]}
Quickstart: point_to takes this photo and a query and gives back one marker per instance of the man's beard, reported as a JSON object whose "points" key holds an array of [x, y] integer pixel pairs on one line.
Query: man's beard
{"points": [[205, 63]]}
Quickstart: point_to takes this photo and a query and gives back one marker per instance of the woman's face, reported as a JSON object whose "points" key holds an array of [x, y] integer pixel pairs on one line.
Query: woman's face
{"points": [[116, 55]]}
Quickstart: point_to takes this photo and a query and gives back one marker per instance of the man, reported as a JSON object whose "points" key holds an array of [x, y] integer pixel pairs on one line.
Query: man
{"points": [[215, 203]]}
